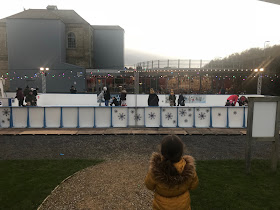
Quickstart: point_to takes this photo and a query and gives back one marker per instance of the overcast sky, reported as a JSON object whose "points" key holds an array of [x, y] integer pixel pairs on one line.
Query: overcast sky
{"points": [[185, 29]]}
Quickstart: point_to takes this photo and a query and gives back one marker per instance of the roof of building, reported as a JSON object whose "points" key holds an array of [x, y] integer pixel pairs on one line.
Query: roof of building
{"points": [[35, 14], [66, 16], [107, 27], [272, 1]]}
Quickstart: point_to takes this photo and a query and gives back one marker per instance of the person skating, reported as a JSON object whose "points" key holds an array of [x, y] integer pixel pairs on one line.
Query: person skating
{"points": [[107, 97], [233, 99], [181, 100], [172, 98], [123, 98], [20, 96], [153, 98], [115, 102], [30, 99], [73, 90], [100, 97], [26, 91]]}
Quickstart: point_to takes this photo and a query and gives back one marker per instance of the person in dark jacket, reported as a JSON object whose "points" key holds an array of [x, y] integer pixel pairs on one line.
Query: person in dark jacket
{"points": [[123, 98], [181, 100], [73, 90], [20, 96], [30, 99], [153, 98], [35, 92], [26, 91], [107, 97], [115, 102], [172, 98]]}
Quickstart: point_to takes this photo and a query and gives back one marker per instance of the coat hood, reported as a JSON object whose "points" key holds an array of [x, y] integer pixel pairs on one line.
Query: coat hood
{"points": [[185, 168]]}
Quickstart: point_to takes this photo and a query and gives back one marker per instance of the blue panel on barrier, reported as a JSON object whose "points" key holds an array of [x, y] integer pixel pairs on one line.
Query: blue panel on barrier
{"points": [[11, 118], [28, 122], [44, 117], [177, 118], [94, 119], [78, 117], [61, 119], [194, 117], [211, 117], [227, 119], [244, 118]]}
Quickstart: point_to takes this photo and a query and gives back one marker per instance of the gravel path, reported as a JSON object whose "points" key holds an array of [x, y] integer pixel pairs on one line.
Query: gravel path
{"points": [[116, 183]]}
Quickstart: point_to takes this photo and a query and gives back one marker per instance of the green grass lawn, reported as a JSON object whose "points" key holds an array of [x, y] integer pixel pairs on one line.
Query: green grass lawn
{"points": [[24, 184], [224, 185]]}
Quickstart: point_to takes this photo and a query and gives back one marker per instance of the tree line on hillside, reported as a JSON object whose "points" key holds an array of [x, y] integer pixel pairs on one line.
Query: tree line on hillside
{"points": [[250, 59]]}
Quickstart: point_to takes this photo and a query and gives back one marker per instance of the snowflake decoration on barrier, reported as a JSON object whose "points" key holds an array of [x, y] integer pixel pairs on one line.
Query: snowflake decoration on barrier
{"points": [[8, 119], [121, 116], [219, 114], [183, 112], [6, 112], [207, 110], [152, 116], [174, 121], [163, 110], [132, 111], [137, 117], [169, 116], [197, 109], [235, 112], [186, 120], [116, 111], [190, 115], [202, 116], [189, 109], [3, 121]]}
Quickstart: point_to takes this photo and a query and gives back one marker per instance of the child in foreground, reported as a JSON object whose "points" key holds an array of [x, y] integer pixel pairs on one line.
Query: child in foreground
{"points": [[171, 175]]}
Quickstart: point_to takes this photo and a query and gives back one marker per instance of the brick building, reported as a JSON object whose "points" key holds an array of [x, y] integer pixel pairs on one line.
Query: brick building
{"points": [[60, 40]]}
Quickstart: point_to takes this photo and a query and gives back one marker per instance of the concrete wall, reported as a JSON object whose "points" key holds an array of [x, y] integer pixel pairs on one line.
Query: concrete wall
{"points": [[108, 49], [41, 44], [82, 55], [4, 55]]}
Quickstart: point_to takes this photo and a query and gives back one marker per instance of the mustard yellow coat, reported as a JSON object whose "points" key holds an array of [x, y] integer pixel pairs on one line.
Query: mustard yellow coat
{"points": [[171, 192]]}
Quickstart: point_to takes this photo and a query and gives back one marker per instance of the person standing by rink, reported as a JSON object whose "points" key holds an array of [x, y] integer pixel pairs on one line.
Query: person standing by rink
{"points": [[123, 98], [107, 97], [73, 90], [233, 99], [20, 96], [181, 100], [26, 91], [172, 98], [114, 101], [171, 175], [30, 99], [153, 98], [101, 96]]}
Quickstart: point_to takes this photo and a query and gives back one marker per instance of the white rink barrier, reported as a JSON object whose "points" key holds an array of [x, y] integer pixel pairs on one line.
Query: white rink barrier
{"points": [[105, 117]]}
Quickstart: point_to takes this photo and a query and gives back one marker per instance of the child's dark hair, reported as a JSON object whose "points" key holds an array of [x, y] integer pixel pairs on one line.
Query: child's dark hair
{"points": [[172, 149]]}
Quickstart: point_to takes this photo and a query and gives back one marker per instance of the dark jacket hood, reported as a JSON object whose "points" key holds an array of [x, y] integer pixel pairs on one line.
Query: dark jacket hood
{"points": [[161, 176]]}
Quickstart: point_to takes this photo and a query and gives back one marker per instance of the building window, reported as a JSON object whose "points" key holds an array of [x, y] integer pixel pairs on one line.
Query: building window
{"points": [[71, 40]]}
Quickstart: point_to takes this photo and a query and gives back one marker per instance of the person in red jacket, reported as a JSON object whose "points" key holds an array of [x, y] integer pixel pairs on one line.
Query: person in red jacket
{"points": [[233, 99]]}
